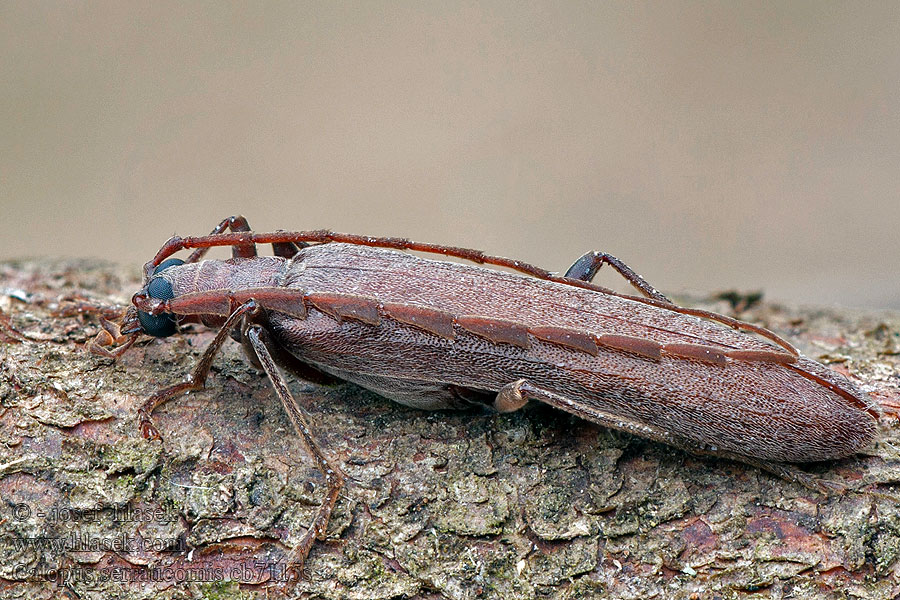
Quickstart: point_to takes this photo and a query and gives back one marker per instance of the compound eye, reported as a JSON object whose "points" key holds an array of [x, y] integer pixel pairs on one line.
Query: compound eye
{"points": [[171, 262], [160, 288], [163, 324]]}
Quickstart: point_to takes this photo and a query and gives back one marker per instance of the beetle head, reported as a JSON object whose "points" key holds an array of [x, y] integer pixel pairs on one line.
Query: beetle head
{"points": [[163, 324]]}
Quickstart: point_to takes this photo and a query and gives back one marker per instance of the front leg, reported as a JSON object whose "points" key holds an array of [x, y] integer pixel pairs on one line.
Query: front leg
{"points": [[197, 379], [239, 224], [236, 224]]}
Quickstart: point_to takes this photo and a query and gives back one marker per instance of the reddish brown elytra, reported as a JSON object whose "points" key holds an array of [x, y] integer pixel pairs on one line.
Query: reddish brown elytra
{"points": [[434, 334]]}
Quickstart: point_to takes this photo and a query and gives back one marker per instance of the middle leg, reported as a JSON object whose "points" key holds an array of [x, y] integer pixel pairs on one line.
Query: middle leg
{"points": [[334, 480]]}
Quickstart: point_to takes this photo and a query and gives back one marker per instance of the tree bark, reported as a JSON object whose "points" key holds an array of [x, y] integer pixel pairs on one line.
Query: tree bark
{"points": [[532, 504]]}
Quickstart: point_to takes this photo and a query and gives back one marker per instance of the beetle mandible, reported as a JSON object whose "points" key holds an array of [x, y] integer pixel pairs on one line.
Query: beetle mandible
{"points": [[434, 334]]}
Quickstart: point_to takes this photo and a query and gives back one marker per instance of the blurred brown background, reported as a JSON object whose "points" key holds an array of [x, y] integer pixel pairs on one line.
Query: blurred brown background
{"points": [[709, 145]]}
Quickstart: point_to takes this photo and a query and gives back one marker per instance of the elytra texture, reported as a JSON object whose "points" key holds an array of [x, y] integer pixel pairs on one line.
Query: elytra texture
{"points": [[756, 408]]}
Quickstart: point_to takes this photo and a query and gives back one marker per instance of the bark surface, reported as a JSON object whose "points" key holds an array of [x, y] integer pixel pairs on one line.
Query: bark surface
{"points": [[532, 504]]}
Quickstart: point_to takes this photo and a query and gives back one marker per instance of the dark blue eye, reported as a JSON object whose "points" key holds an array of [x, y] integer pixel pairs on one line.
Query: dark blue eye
{"points": [[171, 262], [161, 325], [160, 288]]}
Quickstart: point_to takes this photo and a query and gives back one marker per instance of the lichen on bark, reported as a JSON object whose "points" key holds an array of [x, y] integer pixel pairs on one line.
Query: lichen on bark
{"points": [[532, 504]]}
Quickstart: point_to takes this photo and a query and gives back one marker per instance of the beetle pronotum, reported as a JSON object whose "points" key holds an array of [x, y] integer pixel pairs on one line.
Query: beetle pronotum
{"points": [[435, 334]]}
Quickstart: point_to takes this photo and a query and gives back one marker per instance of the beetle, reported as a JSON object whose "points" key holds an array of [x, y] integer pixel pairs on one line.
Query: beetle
{"points": [[434, 334]]}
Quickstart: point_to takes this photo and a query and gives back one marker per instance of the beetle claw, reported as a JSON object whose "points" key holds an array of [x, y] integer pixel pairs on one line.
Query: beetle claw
{"points": [[148, 431]]}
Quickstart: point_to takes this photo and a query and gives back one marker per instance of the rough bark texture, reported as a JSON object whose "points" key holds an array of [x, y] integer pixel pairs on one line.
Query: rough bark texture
{"points": [[534, 504]]}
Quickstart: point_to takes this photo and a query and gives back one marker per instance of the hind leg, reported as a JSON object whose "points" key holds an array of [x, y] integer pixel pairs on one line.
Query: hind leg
{"points": [[261, 343], [514, 395], [586, 267]]}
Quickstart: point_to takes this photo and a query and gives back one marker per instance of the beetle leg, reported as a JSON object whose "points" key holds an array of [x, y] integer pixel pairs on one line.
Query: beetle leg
{"points": [[197, 379], [237, 224], [94, 345], [261, 342], [288, 362], [287, 249], [784, 471], [511, 397], [514, 395], [586, 267]]}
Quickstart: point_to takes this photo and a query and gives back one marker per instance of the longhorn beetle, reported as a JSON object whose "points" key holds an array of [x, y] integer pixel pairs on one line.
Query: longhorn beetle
{"points": [[434, 334]]}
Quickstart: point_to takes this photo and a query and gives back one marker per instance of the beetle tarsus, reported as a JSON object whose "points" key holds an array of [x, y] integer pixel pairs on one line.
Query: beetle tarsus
{"points": [[95, 347], [586, 267], [148, 430]]}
